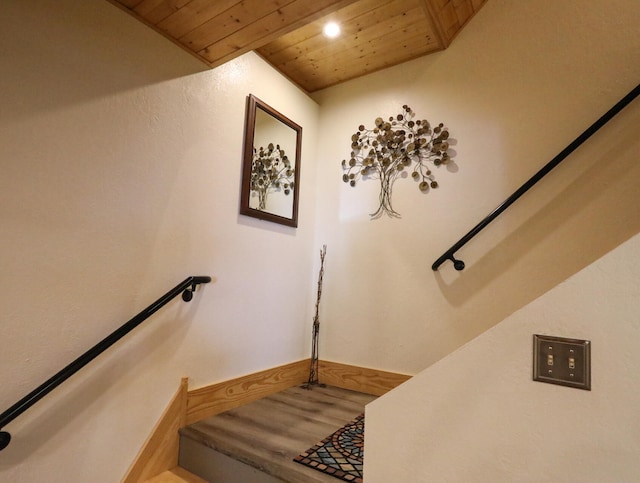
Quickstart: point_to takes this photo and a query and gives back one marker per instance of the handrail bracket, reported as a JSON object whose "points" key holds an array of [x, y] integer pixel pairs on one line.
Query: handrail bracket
{"points": [[187, 294]]}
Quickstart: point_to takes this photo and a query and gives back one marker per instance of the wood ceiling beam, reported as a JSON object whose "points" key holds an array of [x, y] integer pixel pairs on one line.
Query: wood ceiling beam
{"points": [[431, 9], [287, 33], [279, 23]]}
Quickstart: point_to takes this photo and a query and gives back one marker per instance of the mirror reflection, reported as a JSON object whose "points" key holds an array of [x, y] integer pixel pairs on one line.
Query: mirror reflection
{"points": [[271, 168], [272, 173]]}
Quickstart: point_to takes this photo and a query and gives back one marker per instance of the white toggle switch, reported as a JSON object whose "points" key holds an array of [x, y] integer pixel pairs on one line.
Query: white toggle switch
{"points": [[572, 363], [550, 359]]}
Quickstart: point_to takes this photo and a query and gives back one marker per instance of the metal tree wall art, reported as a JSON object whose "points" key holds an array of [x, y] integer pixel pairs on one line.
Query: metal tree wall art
{"points": [[271, 171], [394, 147]]}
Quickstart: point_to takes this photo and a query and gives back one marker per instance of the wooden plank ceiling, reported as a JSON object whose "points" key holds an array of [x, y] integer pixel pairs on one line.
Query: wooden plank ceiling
{"points": [[288, 33]]}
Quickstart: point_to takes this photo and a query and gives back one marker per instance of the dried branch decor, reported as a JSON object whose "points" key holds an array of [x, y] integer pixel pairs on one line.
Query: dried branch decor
{"points": [[313, 369], [392, 148], [271, 171]]}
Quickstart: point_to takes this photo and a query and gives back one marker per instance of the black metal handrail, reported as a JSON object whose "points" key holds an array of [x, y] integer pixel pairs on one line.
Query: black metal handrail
{"points": [[459, 264], [187, 287]]}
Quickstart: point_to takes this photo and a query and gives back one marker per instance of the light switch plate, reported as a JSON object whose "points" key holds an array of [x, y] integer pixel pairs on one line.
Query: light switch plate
{"points": [[558, 360]]}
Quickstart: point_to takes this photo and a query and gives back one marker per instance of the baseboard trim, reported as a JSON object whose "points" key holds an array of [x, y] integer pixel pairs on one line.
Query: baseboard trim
{"points": [[211, 400], [160, 451], [361, 379]]}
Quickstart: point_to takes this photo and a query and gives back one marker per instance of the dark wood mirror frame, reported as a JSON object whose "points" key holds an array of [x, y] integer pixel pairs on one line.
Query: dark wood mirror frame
{"points": [[255, 107]]}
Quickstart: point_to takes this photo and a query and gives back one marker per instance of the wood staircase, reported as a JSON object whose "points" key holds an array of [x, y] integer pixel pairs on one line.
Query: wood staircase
{"points": [[191, 419], [176, 475], [256, 443]]}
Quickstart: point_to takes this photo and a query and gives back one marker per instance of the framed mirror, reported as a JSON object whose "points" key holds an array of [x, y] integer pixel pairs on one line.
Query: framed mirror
{"points": [[271, 165]]}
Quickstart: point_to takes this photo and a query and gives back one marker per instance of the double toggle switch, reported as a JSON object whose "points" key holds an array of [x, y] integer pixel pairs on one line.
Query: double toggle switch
{"points": [[572, 361], [558, 360]]}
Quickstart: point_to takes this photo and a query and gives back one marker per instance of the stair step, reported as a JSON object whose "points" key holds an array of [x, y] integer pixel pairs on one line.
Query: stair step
{"points": [[176, 475], [256, 443]]}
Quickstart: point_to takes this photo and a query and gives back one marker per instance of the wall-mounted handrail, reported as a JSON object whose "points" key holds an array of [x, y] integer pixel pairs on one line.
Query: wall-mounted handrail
{"points": [[187, 287], [459, 264]]}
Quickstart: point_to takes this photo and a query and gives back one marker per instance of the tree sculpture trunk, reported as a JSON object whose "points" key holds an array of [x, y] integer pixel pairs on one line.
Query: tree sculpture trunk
{"points": [[386, 186], [262, 199]]}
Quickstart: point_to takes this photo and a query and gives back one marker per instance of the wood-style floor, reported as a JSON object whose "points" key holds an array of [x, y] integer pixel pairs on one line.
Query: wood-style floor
{"points": [[267, 434]]}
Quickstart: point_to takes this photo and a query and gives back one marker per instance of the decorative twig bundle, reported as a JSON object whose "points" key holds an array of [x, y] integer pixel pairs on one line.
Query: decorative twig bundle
{"points": [[313, 369]]}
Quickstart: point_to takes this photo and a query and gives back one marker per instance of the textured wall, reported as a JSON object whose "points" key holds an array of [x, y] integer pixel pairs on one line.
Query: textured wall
{"points": [[477, 415], [120, 161], [521, 82]]}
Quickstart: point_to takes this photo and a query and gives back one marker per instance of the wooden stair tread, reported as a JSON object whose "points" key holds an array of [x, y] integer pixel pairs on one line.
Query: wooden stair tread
{"points": [[268, 433], [176, 475]]}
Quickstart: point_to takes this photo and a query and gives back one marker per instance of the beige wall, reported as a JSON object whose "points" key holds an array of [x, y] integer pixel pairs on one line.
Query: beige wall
{"points": [[120, 161], [478, 416], [120, 166], [521, 82]]}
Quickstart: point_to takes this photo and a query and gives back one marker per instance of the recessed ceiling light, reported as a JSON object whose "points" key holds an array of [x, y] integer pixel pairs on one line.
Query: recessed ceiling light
{"points": [[331, 30]]}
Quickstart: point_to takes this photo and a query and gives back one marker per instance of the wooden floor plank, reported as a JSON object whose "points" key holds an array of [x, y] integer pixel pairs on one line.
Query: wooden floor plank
{"points": [[176, 475], [267, 434]]}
